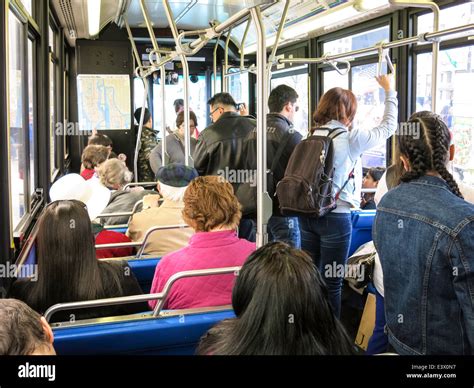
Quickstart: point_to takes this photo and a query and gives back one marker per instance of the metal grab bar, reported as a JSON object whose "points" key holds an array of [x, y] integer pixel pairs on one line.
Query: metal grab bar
{"points": [[138, 298], [188, 274], [141, 244], [349, 55], [138, 184], [251, 69], [384, 54], [152, 230], [333, 64]]}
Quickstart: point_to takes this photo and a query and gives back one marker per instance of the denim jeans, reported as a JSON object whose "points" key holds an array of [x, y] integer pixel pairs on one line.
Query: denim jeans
{"points": [[284, 229], [378, 343], [327, 240]]}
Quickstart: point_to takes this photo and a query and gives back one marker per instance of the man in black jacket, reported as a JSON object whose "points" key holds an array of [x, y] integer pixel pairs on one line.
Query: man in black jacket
{"points": [[219, 149], [281, 141]]}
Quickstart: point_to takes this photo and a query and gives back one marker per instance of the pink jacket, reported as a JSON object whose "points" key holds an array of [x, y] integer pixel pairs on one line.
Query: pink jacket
{"points": [[205, 250]]}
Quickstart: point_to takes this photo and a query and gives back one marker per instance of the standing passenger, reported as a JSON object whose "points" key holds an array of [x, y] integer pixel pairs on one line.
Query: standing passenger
{"points": [[175, 152], [282, 139], [220, 147], [148, 142], [328, 238], [424, 235]]}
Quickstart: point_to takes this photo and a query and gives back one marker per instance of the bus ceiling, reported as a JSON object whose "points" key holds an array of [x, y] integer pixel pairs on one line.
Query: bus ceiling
{"points": [[318, 16]]}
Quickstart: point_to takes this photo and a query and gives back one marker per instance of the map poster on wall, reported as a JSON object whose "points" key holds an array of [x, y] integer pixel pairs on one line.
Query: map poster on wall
{"points": [[104, 101]]}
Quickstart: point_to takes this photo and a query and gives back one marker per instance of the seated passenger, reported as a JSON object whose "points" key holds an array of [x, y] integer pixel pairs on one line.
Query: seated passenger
{"points": [[92, 157], [104, 140], [213, 211], [68, 271], [424, 235], [174, 144], [96, 197], [282, 308], [370, 181], [173, 180], [23, 332], [114, 175]]}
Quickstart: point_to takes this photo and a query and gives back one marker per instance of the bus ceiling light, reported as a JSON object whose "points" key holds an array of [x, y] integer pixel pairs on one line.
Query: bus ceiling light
{"points": [[93, 16]]}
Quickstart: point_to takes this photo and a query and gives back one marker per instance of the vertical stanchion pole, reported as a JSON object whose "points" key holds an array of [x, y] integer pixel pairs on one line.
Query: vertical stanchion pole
{"points": [[264, 202], [184, 62]]}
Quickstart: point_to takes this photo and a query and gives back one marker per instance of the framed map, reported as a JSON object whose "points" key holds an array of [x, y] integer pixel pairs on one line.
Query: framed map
{"points": [[104, 101]]}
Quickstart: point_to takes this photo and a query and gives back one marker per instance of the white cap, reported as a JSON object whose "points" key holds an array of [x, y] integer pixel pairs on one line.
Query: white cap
{"points": [[91, 192]]}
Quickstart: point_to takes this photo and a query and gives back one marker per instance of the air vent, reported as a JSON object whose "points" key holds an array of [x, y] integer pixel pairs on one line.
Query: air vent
{"points": [[68, 14]]}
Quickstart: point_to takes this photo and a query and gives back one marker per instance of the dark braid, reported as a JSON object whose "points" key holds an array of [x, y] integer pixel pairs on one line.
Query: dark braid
{"points": [[441, 139], [429, 151], [418, 152]]}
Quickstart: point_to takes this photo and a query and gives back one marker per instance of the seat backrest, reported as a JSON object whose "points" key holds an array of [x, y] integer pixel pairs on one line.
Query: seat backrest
{"points": [[173, 335], [144, 271], [362, 221]]}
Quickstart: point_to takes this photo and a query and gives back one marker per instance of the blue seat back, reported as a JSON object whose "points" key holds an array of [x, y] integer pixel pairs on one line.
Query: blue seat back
{"points": [[176, 335], [144, 270], [362, 221]]}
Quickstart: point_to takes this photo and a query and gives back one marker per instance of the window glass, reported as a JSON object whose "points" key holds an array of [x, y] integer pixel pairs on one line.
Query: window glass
{"points": [[17, 140], [239, 88], [299, 82], [197, 102], [454, 102], [31, 117], [332, 79], [357, 41], [28, 4], [370, 108], [218, 84], [52, 116], [449, 17], [138, 91]]}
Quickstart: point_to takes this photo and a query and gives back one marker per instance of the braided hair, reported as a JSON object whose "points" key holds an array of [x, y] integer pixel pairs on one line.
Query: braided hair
{"points": [[429, 151]]}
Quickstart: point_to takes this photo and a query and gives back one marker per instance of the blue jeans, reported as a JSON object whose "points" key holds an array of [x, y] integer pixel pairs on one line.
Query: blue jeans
{"points": [[284, 229], [327, 240], [378, 343]]}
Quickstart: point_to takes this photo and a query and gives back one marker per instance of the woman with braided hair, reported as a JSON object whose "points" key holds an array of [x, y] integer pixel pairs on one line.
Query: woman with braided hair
{"points": [[424, 235]]}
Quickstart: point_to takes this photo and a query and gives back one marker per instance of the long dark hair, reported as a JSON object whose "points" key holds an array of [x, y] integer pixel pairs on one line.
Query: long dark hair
{"points": [[282, 308], [429, 151], [68, 270]]}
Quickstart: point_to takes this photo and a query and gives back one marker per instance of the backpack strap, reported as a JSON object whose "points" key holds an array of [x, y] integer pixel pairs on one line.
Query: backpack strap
{"points": [[351, 176]]}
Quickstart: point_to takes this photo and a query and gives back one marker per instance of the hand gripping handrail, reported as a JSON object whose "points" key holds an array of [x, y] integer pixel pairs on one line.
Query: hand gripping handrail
{"points": [[139, 298], [384, 54]]}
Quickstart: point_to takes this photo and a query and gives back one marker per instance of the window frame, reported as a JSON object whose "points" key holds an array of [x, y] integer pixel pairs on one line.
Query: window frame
{"points": [[30, 33]]}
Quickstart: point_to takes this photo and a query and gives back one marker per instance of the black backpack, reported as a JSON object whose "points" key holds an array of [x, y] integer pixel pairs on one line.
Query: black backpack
{"points": [[306, 189]]}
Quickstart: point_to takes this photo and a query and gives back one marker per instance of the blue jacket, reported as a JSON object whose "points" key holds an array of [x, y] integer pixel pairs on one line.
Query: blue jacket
{"points": [[424, 235]]}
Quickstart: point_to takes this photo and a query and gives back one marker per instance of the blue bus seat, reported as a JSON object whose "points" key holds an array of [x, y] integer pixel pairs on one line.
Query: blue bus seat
{"points": [[144, 271], [173, 335], [362, 221]]}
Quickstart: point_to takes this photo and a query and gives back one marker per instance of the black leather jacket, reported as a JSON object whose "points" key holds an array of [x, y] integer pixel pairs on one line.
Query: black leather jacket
{"points": [[221, 144]]}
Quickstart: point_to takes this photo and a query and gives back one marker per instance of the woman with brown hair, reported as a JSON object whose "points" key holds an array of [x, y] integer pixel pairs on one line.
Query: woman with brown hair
{"points": [[328, 238], [213, 211]]}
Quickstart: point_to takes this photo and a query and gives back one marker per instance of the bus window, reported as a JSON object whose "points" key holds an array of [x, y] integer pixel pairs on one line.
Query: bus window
{"points": [[370, 108], [357, 41], [297, 79], [31, 117], [332, 79], [454, 103], [17, 139], [239, 87], [138, 94], [197, 102]]}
